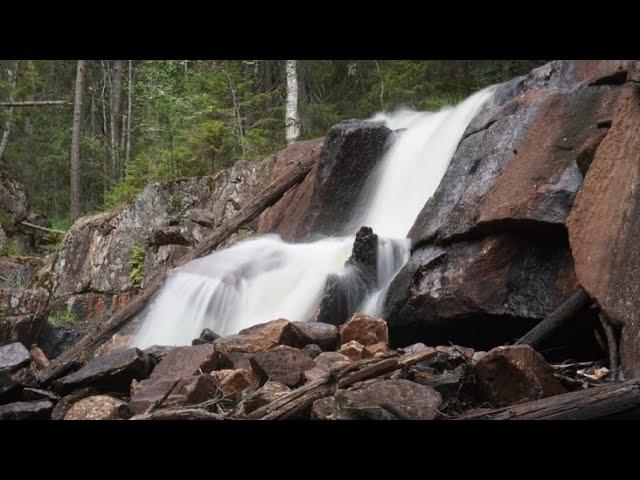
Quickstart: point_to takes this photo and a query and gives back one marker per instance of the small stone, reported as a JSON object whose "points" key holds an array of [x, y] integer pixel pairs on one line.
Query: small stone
{"points": [[207, 336], [269, 392], [97, 407], [353, 350], [232, 382], [38, 357], [375, 351], [312, 350], [328, 360]]}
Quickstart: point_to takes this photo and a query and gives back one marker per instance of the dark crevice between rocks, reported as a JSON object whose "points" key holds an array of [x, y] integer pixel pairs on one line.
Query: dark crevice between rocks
{"points": [[617, 78]]}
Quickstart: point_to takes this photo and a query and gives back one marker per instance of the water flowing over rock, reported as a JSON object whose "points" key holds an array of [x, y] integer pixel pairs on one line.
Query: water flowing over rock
{"points": [[490, 251]]}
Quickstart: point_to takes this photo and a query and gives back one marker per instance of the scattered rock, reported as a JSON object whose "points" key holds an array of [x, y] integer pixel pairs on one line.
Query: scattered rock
{"points": [[112, 372], [281, 364], [117, 342], [369, 399], [278, 332], [353, 350], [65, 403], [177, 364], [38, 357], [328, 360], [313, 374], [97, 407], [312, 350], [31, 394], [322, 334], [39, 410], [55, 339], [266, 394], [191, 390], [232, 382], [379, 349], [507, 375], [365, 330], [13, 356]]}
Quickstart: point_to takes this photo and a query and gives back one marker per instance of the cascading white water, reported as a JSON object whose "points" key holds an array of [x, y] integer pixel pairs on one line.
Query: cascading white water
{"points": [[264, 278]]}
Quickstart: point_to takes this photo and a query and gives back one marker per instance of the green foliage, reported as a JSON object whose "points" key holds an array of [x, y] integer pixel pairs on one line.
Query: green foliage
{"points": [[63, 316], [198, 117], [9, 249], [138, 256]]}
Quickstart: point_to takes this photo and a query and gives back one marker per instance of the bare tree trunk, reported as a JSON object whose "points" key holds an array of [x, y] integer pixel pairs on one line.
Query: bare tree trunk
{"points": [[292, 122], [9, 122], [116, 90], [236, 108], [75, 171], [129, 107]]}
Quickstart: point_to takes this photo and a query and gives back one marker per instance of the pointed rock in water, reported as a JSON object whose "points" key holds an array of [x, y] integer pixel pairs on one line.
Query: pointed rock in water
{"points": [[344, 293], [206, 336], [97, 407], [281, 364], [368, 400], [112, 372], [507, 375], [13, 356], [278, 332]]}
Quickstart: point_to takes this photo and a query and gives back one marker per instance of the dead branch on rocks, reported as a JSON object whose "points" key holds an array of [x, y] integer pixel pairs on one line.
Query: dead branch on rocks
{"points": [[300, 399], [547, 327], [95, 337], [604, 401], [179, 414]]}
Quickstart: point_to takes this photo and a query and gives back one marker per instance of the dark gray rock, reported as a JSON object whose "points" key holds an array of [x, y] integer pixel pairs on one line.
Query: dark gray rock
{"points": [[111, 372], [13, 356], [56, 338], [39, 410]]}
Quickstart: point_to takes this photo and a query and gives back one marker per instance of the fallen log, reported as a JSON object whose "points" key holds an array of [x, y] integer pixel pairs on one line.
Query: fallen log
{"points": [[547, 327], [94, 338], [302, 398], [36, 103], [621, 399], [44, 229]]}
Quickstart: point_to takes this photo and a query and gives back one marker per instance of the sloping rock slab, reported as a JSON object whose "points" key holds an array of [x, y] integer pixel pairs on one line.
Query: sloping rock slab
{"points": [[112, 372], [26, 410], [178, 364], [604, 225]]}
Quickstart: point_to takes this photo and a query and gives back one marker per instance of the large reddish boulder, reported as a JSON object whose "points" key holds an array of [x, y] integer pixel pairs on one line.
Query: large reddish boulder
{"points": [[604, 224], [371, 400], [364, 329], [169, 376], [507, 375]]}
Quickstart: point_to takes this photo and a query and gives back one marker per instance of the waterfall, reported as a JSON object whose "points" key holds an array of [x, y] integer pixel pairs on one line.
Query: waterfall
{"points": [[264, 278]]}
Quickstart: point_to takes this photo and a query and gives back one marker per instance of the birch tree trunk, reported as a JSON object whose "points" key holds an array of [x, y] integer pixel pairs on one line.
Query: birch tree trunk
{"points": [[74, 191], [116, 91], [129, 104], [292, 122], [9, 122]]}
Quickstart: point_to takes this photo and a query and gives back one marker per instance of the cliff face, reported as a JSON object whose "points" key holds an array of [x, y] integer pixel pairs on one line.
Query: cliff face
{"points": [[492, 252]]}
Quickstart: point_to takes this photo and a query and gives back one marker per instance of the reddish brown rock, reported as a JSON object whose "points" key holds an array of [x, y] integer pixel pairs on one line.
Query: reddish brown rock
{"points": [[322, 334], [177, 364], [191, 390], [376, 350], [269, 392], [232, 382], [604, 223], [366, 401], [97, 407], [365, 330], [287, 217], [38, 357], [507, 375], [353, 350], [277, 332], [281, 364]]}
